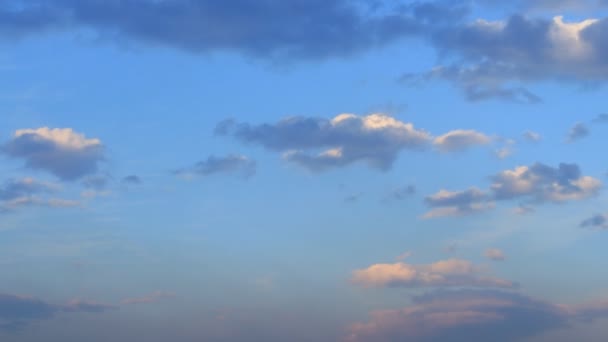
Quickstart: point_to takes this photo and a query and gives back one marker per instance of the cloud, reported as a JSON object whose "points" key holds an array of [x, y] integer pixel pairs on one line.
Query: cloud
{"points": [[458, 203], [495, 254], [232, 164], [277, 30], [353, 198], [598, 221], [96, 182], [17, 312], [577, 132], [532, 137], [558, 6], [445, 273], [150, 298], [401, 193], [61, 151], [459, 140], [540, 183], [131, 180], [601, 118], [496, 59], [321, 144], [18, 193], [533, 184], [465, 315]]}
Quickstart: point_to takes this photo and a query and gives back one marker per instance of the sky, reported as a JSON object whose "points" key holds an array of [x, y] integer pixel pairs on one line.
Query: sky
{"points": [[303, 170]]}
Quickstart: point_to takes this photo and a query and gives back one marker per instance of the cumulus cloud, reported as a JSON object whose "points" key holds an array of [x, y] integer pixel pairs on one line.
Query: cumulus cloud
{"points": [[495, 254], [597, 221], [459, 140], [17, 312], [61, 151], [495, 59], [321, 144], [540, 182], [231, 164], [577, 132], [445, 273], [457, 203], [533, 184]]}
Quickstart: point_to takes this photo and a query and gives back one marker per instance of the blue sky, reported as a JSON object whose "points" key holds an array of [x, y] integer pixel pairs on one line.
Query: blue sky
{"points": [[303, 170]]}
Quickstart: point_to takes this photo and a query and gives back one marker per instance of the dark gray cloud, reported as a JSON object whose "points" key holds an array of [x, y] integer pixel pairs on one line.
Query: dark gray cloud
{"points": [[598, 221], [578, 132], [322, 144], [232, 164], [63, 152], [17, 312], [302, 29], [467, 315]]}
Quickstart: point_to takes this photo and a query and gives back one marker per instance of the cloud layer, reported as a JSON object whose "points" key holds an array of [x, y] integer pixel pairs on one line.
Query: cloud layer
{"points": [[470, 315]]}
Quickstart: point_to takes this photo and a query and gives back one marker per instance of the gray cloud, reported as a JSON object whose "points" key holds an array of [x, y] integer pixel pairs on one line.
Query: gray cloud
{"points": [[322, 144], [495, 59], [96, 182], [577, 132], [63, 152], [233, 164], [532, 137], [533, 184], [293, 29], [17, 312], [540, 183], [18, 193], [469, 315], [458, 203], [132, 180], [598, 221], [401, 193], [601, 118]]}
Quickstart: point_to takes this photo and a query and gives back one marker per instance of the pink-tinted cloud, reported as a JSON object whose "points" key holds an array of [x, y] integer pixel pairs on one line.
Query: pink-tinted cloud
{"points": [[150, 298], [445, 273]]}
